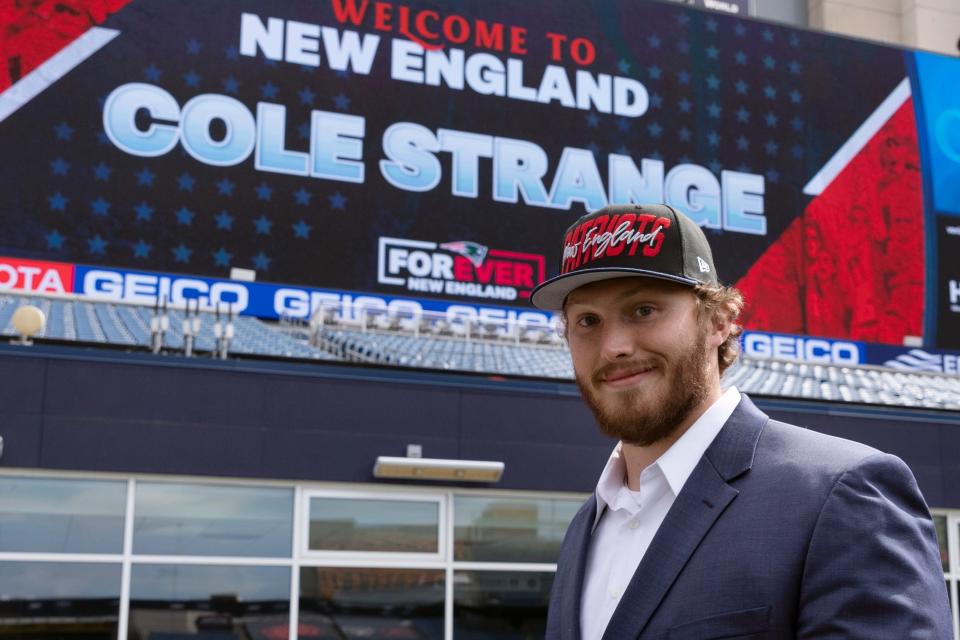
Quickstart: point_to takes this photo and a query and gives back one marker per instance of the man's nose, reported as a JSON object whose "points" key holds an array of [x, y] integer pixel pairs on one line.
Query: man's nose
{"points": [[617, 342]]}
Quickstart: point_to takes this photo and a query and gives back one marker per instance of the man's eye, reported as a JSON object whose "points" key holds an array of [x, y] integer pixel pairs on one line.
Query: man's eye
{"points": [[586, 321], [643, 310]]}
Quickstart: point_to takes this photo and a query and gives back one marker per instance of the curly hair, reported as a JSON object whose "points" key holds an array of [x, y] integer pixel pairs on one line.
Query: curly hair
{"points": [[717, 300]]}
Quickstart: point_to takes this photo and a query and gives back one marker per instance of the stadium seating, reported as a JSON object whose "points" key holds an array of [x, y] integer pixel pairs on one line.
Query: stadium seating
{"points": [[439, 344]]}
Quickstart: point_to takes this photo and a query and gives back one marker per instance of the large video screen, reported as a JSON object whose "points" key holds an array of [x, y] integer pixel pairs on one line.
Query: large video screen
{"points": [[431, 154]]}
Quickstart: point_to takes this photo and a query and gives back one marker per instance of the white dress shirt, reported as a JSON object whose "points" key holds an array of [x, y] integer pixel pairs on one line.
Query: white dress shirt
{"points": [[627, 520]]}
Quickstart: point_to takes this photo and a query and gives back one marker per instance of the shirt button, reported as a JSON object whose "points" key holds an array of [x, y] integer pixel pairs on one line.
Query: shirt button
{"points": [[634, 524]]}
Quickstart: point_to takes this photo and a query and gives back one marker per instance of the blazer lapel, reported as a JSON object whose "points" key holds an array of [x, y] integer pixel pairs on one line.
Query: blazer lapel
{"points": [[702, 500], [581, 529]]}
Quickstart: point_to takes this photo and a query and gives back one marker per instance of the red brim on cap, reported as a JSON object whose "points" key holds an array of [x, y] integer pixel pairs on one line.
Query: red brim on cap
{"points": [[551, 294]]}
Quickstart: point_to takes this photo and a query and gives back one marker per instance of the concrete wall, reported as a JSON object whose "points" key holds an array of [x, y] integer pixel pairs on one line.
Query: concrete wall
{"points": [[931, 25]]}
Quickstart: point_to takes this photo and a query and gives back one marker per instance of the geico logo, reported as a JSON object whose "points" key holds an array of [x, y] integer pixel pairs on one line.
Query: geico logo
{"points": [[30, 278], [147, 288], [418, 263], [813, 350]]}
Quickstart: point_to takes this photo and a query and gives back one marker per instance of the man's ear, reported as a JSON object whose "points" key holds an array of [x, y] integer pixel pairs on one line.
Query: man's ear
{"points": [[719, 328]]}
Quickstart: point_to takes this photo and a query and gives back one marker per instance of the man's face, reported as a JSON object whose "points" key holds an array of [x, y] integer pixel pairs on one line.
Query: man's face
{"points": [[641, 355]]}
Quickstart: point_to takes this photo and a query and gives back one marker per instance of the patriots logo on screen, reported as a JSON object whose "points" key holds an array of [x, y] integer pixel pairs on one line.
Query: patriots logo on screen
{"points": [[460, 268], [472, 251]]}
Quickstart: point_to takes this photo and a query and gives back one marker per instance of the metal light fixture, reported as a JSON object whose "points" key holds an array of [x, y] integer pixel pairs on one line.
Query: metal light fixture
{"points": [[438, 469], [28, 320]]}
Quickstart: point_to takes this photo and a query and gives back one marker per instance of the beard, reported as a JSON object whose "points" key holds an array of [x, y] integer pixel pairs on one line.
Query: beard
{"points": [[636, 420]]}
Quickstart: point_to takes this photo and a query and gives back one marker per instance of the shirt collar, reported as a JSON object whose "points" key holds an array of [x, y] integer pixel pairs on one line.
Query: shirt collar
{"points": [[676, 463]]}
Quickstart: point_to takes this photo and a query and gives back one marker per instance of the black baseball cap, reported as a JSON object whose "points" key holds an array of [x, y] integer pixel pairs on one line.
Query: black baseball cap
{"points": [[619, 241]]}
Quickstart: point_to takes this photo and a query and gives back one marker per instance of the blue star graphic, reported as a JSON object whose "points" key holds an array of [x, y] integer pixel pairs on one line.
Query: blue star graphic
{"points": [[185, 182], [743, 115], [713, 139], [194, 46], [654, 42], [181, 253], [63, 131], [54, 240], [341, 102], [684, 134], [222, 257], [739, 29], [261, 261], [715, 166], [184, 216], [683, 77], [144, 211], [141, 249], [795, 97], [740, 57], [102, 138], [302, 196], [654, 72], [794, 40], [770, 92], [797, 124], [769, 62], [592, 120], [768, 35], [712, 52], [304, 131], [97, 245], [713, 109], [742, 143], [656, 101], [263, 225], [684, 105], [623, 66], [152, 73], [58, 202], [623, 125], [225, 187], [711, 25], [231, 84], [100, 207], [264, 191], [191, 79], [713, 81], [224, 220], [771, 147], [307, 96], [60, 167], [654, 130], [145, 177], [267, 62], [301, 229], [268, 90], [338, 201], [231, 53], [797, 151], [771, 119], [101, 172], [773, 175], [741, 87], [743, 168], [794, 67]]}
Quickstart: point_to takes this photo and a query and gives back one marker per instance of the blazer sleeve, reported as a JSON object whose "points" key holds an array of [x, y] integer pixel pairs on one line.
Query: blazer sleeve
{"points": [[873, 568]]}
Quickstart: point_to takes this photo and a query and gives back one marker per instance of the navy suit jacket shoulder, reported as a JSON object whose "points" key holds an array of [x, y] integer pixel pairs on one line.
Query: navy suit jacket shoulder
{"points": [[779, 532]]}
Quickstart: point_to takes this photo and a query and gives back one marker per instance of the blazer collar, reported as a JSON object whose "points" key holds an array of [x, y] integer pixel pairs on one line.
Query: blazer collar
{"points": [[702, 500]]}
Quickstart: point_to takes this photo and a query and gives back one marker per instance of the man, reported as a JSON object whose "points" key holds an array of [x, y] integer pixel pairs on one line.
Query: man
{"points": [[710, 520]]}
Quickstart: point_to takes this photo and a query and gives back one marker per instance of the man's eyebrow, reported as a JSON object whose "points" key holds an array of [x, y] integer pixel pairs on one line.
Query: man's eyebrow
{"points": [[623, 295]]}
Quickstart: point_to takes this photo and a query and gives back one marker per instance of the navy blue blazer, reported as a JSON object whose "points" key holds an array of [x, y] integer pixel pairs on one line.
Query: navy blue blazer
{"points": [[780, 532]]}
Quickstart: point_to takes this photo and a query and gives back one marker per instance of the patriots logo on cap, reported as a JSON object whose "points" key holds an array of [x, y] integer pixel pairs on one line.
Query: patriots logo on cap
{"points": [[704, 267], [472, 251]]}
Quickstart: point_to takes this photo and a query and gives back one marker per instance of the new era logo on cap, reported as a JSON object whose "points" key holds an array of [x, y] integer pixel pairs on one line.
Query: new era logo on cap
{"points": [[629, 240]]}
